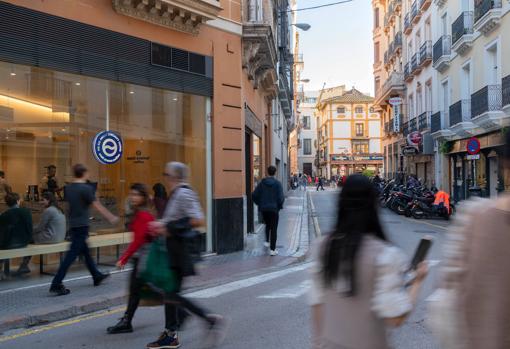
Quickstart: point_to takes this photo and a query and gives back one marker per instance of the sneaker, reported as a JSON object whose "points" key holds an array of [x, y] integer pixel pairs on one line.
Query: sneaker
{"points": [[165, 341], [99, 279], [217, 330], [123, 326], [59, 290], [273, 253], [266, 244]]}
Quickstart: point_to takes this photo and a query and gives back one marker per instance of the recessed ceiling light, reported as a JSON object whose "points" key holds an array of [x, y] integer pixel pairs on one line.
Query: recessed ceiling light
{"points": [[131, 92], [175, 99], [13, 74], [77, 83]]}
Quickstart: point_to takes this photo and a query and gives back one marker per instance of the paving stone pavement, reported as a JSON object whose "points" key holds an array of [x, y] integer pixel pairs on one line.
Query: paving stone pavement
{"points": [[27, 302]]}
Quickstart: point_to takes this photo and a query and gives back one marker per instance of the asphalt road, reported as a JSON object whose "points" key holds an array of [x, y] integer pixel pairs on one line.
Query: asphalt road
{"points": [[266, 311]]}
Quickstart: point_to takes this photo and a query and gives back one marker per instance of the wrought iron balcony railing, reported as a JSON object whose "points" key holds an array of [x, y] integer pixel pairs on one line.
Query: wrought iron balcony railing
{"points": [[484, 6], [415, 63], [407, 72], [424, 121], [460, 112], [435, 122], [442, 48], [407, 23], [426, 52], [463, 25], [415, 10], [487, 99], [506, 90]]}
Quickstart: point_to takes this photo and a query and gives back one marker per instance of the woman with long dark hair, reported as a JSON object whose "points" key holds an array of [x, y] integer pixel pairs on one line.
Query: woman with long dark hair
{"points": [[358, 284], [160, 198], [139, 200]]}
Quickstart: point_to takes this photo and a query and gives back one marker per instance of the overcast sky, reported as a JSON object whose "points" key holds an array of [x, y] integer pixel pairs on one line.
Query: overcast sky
{"points": [[338, 48]]}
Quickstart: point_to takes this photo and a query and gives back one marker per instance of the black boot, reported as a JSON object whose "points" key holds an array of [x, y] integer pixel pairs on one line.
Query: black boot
{"points": [[123, 326]]}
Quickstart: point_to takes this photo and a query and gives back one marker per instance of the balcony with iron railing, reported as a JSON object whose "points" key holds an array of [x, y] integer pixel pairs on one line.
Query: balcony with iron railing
{"points": [[425, 4], [505, 83], [415, 12], [408, 76], [405, 129], [394, 85], [413, 124], [415, 64], [488, 99], [408, 26], [424, 121], [435, 122], [441, 53], [487, 15], [462, 32], [426, 53], [460, 112]]}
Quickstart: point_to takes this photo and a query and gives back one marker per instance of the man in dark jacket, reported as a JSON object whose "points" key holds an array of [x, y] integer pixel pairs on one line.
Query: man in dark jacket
{"points": [[269, 198]]}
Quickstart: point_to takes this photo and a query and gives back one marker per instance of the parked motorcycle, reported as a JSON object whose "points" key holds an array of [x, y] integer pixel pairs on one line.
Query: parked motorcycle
{"points": [[421, 209]]}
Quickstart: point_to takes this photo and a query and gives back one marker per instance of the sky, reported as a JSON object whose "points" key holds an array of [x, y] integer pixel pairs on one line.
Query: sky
{"points": [[338, 48]]}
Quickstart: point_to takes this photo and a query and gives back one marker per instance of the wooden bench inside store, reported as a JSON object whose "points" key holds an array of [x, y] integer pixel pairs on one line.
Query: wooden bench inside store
{"points": [[98, 239]]}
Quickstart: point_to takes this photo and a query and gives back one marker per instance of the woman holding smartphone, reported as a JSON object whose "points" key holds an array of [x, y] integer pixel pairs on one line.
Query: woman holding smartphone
{"points": [[358, 277], [139, 200]]}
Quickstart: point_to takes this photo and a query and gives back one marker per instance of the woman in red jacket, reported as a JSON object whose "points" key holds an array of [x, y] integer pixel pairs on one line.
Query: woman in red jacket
{"points": [[139, 199]]}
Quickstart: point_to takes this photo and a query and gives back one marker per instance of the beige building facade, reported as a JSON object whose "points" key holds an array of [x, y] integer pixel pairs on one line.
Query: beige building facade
{"points": [[349, 133]]}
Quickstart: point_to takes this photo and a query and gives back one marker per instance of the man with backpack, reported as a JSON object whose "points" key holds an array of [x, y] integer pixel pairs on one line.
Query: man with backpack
{"points": [[182, 214], [269, 198]]}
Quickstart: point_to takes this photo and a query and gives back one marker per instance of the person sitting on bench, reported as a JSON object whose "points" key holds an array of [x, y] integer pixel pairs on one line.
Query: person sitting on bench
{"points": [[15, 229]]}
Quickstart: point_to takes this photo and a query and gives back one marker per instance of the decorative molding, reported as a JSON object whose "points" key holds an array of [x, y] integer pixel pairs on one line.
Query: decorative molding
{"points": [[182, 15]]}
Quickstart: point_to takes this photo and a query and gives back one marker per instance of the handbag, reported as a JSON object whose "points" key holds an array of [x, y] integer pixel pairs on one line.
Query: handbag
{"points": [[155, 272]]}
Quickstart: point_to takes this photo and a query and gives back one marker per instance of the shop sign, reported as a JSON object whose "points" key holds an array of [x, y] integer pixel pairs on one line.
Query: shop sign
{"points": [[473, 146], [340, 158], [107, 147], [410, 150], [138, 158], [414, 138], [395, 103], [473, 157], [369, 158]]}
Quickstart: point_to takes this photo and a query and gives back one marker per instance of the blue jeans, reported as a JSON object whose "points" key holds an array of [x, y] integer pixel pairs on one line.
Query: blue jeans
{"points": [[78, 247]]}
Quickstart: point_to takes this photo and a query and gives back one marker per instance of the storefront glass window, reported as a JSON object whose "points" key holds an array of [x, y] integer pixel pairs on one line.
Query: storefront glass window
{"points": [[50, 118]]}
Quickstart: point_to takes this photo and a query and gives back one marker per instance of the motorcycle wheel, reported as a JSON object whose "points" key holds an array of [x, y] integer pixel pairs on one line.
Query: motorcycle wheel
{"points": [[408, 212], [393, 205], [382, 202], [401, 208], [417, 213]]}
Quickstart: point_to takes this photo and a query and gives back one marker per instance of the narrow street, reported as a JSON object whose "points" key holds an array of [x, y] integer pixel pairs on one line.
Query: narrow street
{"points": [[267, 309]]}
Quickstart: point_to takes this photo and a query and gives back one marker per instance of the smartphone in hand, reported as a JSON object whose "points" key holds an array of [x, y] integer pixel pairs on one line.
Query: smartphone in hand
{"points": [[421, 252]]}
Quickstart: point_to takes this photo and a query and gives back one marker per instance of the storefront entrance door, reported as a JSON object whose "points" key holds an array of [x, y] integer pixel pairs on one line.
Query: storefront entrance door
{"points": [[493, 173]]}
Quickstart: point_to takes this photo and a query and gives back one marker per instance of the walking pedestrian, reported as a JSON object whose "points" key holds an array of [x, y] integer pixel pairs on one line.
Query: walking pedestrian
{"points": [[80, 197], [160, 199], [472, 308], [139, 199], [269, 198], [304, 182], [358, 284], [182, 214], [320, 183]]}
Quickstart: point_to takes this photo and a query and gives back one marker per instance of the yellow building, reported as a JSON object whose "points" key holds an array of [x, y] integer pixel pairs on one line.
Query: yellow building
{"points": [[349, 133]]}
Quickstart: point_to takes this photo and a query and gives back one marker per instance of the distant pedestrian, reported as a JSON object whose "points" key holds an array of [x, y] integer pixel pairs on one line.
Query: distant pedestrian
{"points": [[139, 224], [358, 284], [304, 182], [80, 197], [472, 307], [269, 198], [320, 183], [182, 214]]}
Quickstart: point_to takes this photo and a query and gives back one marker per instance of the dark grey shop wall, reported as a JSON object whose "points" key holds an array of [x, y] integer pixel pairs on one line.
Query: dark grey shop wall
{"points": [[34, 38], [228, 225]]}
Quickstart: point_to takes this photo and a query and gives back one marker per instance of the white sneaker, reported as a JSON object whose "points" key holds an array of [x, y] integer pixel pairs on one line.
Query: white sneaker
{"points": [[273, 253], [266, 244]]}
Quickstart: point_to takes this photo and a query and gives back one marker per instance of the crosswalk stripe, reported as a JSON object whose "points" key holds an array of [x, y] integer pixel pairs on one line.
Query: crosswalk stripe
{"points": [[291, 292], [237, 285]]}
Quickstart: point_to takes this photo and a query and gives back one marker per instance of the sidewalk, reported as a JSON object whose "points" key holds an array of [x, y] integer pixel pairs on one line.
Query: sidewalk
{"points": [[26, 302]]}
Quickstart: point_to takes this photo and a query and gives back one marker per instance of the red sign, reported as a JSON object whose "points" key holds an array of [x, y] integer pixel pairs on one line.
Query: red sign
{"points": [[473, 146], [414, 138]]}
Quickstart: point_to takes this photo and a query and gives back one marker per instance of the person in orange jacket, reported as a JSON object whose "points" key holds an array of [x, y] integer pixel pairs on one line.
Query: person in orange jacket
{"points": [[442, 197]]}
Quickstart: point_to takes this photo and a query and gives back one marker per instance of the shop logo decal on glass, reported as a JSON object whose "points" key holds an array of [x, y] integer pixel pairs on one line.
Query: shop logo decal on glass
{"points": [[107, 147]]}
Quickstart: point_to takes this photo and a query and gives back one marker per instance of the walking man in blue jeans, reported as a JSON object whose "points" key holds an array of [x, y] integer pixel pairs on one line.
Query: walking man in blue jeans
{"points": [[80, 196], [269, 198]]}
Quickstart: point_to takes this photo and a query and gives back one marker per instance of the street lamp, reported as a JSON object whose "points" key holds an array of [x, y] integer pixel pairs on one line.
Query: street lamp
{"points": [[302, 26]]}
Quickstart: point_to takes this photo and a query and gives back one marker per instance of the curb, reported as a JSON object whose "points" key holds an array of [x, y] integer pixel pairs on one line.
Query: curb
{"points": [[313, 215]]}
